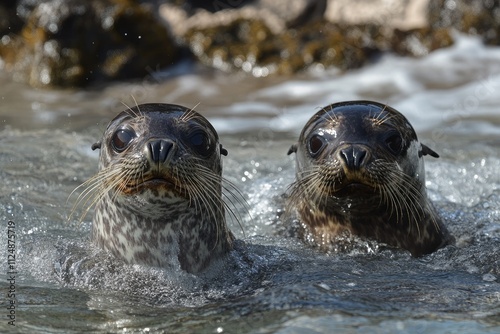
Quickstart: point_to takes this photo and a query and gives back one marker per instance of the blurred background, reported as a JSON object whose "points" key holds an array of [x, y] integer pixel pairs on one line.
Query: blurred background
{"points": [[258, 70]]}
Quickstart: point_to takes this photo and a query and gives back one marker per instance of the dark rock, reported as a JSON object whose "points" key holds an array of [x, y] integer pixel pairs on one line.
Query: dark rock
{"points": [[251, 46], [478, 17], [419, 42], [77, 42], [9, 21], [258, 38], [211, 5]]}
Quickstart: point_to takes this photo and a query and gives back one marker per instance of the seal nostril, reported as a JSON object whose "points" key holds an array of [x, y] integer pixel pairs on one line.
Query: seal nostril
{"points": [[354, 156], [359, 157], [159, 149]]}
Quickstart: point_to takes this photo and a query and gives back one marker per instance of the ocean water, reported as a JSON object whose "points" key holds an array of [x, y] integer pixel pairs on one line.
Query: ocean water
{"points": [[271, 283]]}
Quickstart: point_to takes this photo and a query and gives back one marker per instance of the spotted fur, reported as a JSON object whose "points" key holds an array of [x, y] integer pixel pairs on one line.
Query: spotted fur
{"points": [[360, 170], [158, 192]]}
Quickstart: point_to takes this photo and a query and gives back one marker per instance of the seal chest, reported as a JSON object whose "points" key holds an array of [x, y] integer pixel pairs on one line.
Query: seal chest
{"points": [[360, 169], [158, 191]]}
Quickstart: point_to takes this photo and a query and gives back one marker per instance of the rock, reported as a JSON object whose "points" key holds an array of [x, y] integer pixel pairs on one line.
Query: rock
{"points": [[180, 22], [77, 42], [406, 24], [295, 13], [478, 17], [277, 15], [283, 37], [211, 6], [419, 42], [396, 14], [9, 21], [251, 46]]}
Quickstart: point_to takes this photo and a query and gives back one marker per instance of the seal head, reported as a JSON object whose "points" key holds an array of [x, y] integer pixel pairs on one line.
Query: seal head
{"points": [[158, 191], [360, 168]]}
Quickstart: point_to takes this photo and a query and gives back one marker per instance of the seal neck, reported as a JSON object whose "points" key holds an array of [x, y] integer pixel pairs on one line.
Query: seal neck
{"points": [[180, 236]]}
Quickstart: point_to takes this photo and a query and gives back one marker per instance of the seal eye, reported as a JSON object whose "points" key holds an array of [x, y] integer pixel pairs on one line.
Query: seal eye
{"points": [[200, 142], [316, 143], [121, 139], [394, 143]]}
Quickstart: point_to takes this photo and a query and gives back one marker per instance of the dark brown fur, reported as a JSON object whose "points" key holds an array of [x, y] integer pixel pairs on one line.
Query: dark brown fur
{"points": [[360, 170]]}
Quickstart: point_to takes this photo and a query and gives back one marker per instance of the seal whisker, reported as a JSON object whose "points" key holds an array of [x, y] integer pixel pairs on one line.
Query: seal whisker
{"points": [[205, 193], [137, 106], [357, 169], [403, 191], [378, 118], [389, 185], [91, 190], [229, 192], [189, 113], [333, 119], [302, 187], [132, 111], [383, 117], [158, 195], [414, 208]]}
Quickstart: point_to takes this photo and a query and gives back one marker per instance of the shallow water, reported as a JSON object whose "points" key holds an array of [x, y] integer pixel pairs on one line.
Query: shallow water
{"points": [[270, 283]]}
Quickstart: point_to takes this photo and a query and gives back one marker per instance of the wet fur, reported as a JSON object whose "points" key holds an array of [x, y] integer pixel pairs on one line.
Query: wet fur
{"points": [[390, 206], [179, 220]]}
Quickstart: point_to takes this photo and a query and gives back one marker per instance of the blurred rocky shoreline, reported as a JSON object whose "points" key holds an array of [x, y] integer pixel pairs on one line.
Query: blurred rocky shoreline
{"points": [[75, 43]]}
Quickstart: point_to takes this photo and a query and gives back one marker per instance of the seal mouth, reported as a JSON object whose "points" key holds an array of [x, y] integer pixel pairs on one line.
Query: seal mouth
{"points": [[156, 182], [354, 187]]}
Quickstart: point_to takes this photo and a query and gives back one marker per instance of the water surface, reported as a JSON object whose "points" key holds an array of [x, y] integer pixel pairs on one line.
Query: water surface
{"points": [[271, 283]]}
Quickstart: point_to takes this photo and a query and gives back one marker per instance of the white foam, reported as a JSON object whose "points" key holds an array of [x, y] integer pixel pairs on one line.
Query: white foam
{"points": [[449, 85]]}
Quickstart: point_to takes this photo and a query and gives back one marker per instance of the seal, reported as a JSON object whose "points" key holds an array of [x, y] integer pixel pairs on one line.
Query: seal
{"points": [[360, 171], [158, 192]]}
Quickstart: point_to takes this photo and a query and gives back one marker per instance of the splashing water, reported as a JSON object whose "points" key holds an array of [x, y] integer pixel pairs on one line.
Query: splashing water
{"points": [[270, 283]]}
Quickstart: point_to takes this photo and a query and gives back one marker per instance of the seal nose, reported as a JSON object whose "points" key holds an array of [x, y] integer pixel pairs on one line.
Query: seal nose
{"points": [[159, 149], [354, 156]]}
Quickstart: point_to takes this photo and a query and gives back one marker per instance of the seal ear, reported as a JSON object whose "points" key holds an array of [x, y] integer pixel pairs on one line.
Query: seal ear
{"points": [[96, 145], [223, 151], [425, 150], [293, 149]]}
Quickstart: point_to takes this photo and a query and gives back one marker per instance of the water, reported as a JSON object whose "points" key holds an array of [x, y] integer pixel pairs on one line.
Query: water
{"points": [[271, 283]]}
